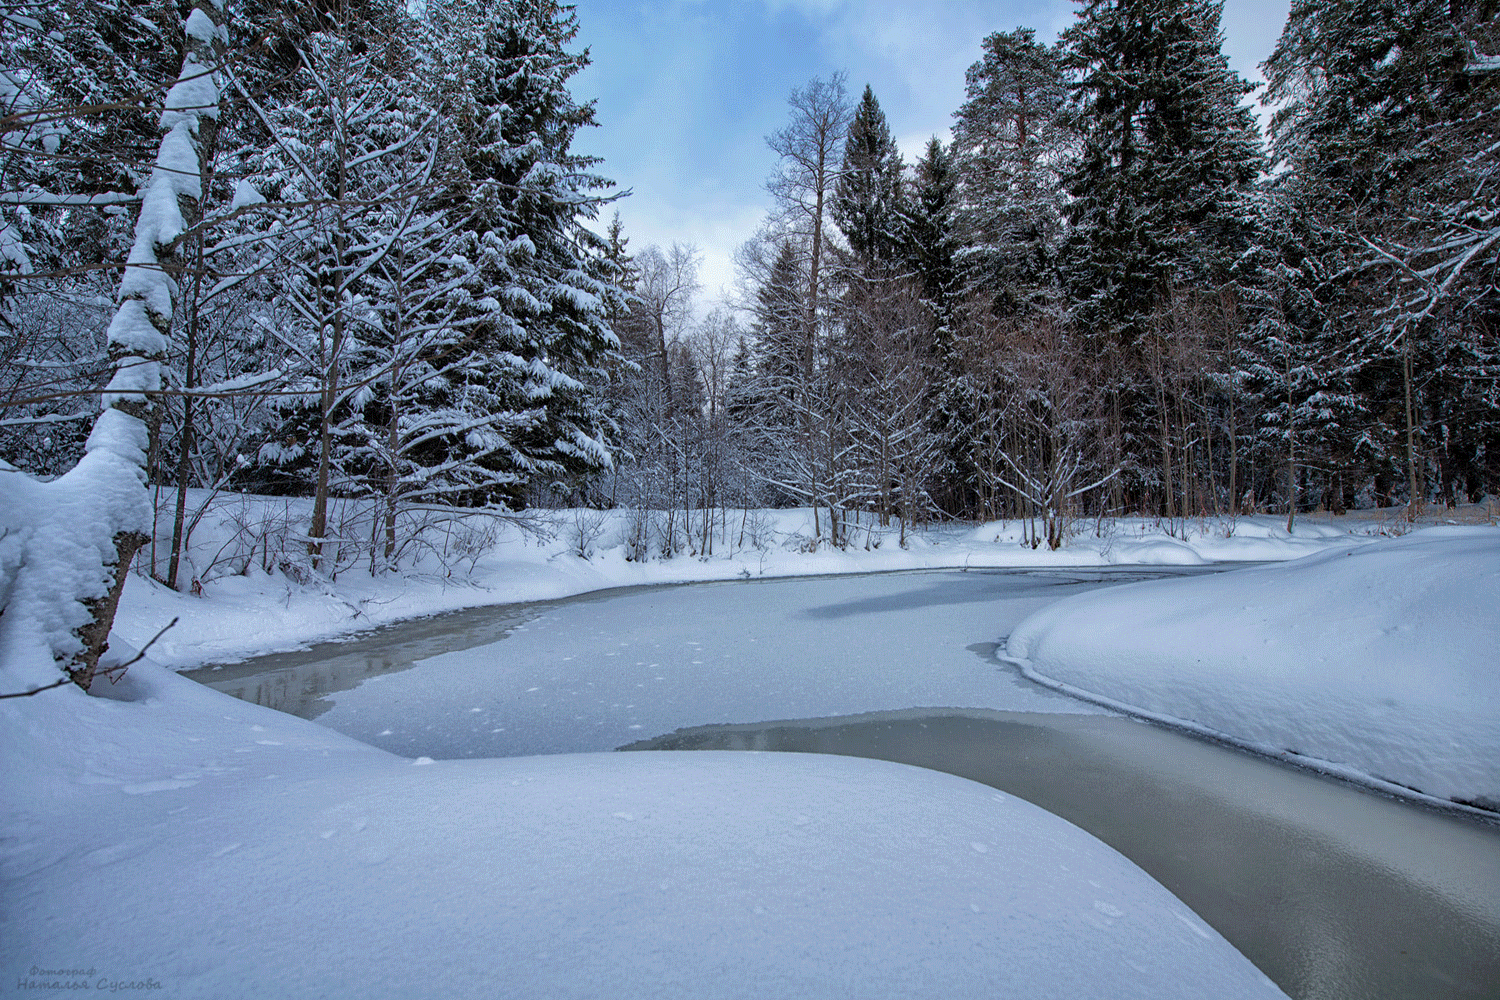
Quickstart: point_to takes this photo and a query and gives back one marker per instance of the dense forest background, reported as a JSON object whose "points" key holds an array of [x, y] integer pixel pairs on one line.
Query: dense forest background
{"points": [[1108, 295]]}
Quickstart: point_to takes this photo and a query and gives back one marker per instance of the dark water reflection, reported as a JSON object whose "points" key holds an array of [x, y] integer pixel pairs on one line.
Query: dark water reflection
{"points": [[1333, 891], [300, 681]]}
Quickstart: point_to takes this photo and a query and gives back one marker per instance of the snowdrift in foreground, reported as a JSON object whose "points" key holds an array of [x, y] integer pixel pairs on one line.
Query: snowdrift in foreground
{"points": [[218, 849], [1379, 662]]}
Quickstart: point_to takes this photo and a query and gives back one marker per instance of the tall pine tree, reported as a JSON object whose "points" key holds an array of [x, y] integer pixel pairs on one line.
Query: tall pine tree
{"points": [[1168, 153], [1012, 145], [542, 343]]}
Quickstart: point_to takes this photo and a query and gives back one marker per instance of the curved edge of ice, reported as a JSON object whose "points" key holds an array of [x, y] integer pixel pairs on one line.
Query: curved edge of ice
{"points": [[1333, 768]]}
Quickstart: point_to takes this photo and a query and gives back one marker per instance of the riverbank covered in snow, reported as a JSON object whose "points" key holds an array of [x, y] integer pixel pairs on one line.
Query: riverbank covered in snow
{"points": [[254, 595], [1377, 662], [218, 849]]}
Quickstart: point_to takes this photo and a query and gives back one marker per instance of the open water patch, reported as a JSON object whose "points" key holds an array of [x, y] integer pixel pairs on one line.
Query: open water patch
{"points": [[1332, 890]]}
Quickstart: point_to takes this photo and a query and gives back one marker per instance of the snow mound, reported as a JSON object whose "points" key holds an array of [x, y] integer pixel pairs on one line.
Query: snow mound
{"points": [[218, 849], [1377, 661], [1157, 552]]}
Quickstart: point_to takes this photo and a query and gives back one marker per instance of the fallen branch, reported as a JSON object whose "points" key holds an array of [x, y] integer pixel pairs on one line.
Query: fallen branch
{"points": [[113, 673]]}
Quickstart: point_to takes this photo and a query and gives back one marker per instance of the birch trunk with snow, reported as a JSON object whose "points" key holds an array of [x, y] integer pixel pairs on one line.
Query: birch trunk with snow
{"points": [[85, 527]]}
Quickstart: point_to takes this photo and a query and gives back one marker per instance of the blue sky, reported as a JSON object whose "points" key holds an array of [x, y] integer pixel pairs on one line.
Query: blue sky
{"points": [[687, 91]]}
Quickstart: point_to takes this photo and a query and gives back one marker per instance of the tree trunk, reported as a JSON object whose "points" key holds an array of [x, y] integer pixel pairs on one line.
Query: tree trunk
{"points": [[189, 382], [1415, 498], [333, 347], [1291, 450], [138, 334]]}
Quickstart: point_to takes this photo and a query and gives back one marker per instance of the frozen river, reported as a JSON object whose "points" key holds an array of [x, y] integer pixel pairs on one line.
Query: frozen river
{"points": [[1332, 890], [599, 671]]}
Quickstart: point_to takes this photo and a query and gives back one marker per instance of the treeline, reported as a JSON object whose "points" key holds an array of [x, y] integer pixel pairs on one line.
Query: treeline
{"points": [[1107, 295]]}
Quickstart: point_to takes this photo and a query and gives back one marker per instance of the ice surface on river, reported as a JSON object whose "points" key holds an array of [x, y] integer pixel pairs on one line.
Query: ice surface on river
{"points": [[596, 674]]}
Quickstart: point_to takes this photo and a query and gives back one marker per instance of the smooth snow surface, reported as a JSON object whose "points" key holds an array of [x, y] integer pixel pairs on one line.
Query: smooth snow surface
{"points": [[222, 850], [1379, 662]]}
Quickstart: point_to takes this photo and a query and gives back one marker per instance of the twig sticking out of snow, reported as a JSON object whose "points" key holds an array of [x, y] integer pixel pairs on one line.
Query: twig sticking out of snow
{"points": [[114, 673]]}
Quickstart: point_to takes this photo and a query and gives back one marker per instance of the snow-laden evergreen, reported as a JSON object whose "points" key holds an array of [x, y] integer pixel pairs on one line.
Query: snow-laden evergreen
{"points": [[540, 339], [1387, 129]]}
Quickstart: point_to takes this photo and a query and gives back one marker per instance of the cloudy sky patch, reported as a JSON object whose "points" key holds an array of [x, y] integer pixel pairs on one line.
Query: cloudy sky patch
{"points": [[687, 91]]}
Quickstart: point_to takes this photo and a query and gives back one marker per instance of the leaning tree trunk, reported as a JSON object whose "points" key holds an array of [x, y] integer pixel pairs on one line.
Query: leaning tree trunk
{"points": [[113, 469]]}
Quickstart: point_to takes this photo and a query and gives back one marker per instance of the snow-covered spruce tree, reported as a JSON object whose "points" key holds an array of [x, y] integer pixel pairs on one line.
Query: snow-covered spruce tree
{"points": [[77, 82], [1288, 389], [1012, 146], [875, 312], [867, 197], [602, 488], [930, 251], [1168, 152], [931, 243], [769, 387], [540, 345], [69, 543], [1389, 111]]}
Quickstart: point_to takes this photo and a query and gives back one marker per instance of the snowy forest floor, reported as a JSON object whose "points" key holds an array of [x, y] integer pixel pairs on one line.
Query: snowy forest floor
{"points": [[214, 848]]}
